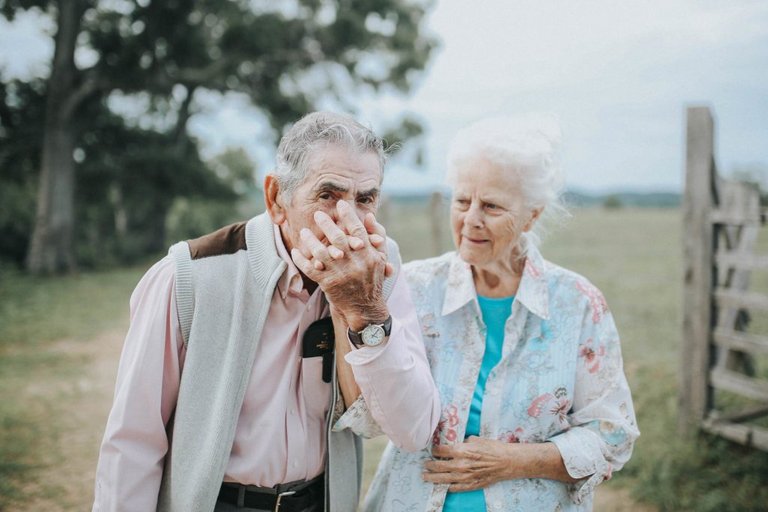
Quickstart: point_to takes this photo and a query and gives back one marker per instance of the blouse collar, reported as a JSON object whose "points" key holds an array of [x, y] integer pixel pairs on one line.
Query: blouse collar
{"points": [[532, 292]]}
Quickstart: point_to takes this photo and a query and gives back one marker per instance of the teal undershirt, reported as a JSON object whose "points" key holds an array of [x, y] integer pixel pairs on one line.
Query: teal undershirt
{"points": [[495, 313]]}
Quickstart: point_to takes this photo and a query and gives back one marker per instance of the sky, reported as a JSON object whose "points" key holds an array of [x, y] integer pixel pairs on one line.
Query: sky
{"points": [[618, 75]]}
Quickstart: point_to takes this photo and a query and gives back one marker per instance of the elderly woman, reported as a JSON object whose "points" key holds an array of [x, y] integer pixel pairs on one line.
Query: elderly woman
{"points": [[525, 354]]}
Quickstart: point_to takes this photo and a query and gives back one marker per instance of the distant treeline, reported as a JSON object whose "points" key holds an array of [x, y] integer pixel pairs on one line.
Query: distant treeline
{"points": [[584, 200], [625, 199]]}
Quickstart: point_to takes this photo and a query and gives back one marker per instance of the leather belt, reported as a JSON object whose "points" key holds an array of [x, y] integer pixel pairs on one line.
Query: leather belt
{"points": [[292, 497]]}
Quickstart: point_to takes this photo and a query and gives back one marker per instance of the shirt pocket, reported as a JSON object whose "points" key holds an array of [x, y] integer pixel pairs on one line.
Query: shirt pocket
{"points": [[316, 392]]}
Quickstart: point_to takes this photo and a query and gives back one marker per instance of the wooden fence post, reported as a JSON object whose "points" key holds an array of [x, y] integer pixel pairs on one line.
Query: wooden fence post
{"points": [[699, 240]]}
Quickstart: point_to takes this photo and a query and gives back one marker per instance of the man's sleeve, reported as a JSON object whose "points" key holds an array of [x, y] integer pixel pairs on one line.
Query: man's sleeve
{"points": [[130, 463], [395, 379]]}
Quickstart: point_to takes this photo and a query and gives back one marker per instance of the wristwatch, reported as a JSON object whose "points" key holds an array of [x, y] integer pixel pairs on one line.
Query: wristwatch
{"points": [[372, 336]]}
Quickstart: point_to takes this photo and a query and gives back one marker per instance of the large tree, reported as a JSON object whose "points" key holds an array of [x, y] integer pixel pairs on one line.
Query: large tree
{"points": [[285, 56]]}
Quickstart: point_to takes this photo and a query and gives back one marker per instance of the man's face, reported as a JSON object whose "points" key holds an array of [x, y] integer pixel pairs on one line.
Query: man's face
{"points": [[335, 173]]}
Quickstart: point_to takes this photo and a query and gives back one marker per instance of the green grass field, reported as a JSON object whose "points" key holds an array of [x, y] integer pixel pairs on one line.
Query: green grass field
{"points": [[633, 256]]}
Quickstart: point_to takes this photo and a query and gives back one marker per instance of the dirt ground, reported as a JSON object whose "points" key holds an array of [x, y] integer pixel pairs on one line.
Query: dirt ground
{"points": [[65, 480]]}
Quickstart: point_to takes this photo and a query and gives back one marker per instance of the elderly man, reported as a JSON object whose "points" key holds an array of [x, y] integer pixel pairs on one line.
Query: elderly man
{"points": [[228, 395]]}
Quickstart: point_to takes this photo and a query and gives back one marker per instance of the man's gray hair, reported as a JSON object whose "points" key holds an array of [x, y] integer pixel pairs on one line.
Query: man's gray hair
{"points": [[316, 131]]}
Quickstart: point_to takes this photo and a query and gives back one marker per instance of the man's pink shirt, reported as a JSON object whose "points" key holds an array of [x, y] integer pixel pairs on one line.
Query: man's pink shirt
{"points": [[280, 435]]}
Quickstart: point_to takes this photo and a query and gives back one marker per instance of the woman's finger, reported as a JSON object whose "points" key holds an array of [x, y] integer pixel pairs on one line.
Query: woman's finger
{"points": [[446, 478], [443, 451]]}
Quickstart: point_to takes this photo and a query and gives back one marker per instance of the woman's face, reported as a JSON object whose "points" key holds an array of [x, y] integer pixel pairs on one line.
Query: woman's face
{"points": [[488, 214]]}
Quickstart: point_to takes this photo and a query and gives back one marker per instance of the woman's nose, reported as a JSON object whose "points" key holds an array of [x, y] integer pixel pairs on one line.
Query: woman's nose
{"points": [[474, 216]]}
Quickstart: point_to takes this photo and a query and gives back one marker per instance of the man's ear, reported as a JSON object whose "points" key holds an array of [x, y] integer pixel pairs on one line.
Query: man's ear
{"points": [[274, 200]]}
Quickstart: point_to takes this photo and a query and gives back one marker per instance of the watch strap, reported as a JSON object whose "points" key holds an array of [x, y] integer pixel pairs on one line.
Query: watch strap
{"points": [[357, 337]]}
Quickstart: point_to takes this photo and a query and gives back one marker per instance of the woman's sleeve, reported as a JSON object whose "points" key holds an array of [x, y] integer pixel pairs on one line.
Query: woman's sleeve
{"points": [[602, 421]]}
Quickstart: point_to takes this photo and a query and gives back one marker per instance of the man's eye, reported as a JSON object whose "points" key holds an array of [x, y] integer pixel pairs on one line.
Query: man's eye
{"points": [[325, 195], [365, 200], [491, 206]]}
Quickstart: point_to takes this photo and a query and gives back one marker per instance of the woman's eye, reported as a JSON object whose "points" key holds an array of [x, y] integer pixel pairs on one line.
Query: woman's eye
{"points": [[491, 206]]}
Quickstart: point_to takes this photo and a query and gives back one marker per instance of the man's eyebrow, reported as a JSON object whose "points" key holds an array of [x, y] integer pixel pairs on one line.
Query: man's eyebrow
{"points": [[330, 186], [371, 192]]}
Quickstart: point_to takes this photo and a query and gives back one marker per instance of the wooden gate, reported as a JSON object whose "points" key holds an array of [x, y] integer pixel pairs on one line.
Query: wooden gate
{"points": [[722, 391]]}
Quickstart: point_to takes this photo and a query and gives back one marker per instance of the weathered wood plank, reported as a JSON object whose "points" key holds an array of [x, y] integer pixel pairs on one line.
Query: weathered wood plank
{"points": [[740, 299], [695, 394], [734, 218], [736, 340], [741, 260], [740, 384], [748, 435], [744, 199], [747, 414]]}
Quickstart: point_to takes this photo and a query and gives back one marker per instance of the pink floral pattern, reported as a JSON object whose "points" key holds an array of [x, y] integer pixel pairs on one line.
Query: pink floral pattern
{"points": [[560, 380], [446, 427], [596, 300], [591, 356]]}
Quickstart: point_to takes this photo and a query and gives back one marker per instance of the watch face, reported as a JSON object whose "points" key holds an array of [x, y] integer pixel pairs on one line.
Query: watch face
{"points": [[373, 335]]}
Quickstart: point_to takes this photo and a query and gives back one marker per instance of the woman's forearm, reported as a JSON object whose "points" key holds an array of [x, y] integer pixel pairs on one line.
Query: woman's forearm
{"points": [[537, 460]]}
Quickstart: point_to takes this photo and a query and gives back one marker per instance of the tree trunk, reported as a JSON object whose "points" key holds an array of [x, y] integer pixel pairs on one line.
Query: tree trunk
{"points": [[51, 248]]}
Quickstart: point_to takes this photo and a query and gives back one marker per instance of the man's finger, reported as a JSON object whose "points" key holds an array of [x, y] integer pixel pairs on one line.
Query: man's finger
{"points": [[302, 263], [373, 226], [333, 233], [335, 252], [377, 235], [350, 222], [376, 240], [317, 250], [389, 270]]}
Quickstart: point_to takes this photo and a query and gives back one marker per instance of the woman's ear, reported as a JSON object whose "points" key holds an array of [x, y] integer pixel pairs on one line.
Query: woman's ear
{"points": [[535, 213], [273, 199]]}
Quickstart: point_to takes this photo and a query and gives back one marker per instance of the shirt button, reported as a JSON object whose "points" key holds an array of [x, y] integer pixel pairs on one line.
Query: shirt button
{"points": [[497, 505]]}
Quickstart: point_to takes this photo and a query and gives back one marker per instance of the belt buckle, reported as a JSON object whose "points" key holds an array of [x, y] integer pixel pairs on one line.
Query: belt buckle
{"points": [[280, 499]]}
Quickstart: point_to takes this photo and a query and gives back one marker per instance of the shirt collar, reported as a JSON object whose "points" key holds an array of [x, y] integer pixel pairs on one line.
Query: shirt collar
{"points": [[532, 292], [290, 281]]}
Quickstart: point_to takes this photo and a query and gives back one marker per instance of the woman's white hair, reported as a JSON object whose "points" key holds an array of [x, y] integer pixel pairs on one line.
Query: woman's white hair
{"points": [[528, 149]]}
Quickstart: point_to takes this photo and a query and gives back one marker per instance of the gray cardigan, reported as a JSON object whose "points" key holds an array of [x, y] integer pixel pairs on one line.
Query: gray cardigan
{"points": [[224, 285]]}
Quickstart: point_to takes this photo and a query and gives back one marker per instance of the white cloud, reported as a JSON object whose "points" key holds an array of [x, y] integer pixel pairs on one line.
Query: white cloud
{"points": [[618, 74]]}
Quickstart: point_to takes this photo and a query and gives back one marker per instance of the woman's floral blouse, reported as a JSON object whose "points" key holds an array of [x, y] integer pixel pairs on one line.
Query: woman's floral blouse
{"points": [[560, 379]]}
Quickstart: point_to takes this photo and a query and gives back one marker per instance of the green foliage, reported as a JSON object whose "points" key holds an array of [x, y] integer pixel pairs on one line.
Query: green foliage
{"points": [[21, 114], [612, 202], [130, 172]]}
